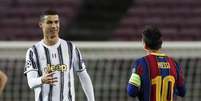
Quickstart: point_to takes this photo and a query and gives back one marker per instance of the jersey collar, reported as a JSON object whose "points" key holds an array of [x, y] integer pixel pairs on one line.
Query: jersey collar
{"points": [[158, 54], [52, 46]]}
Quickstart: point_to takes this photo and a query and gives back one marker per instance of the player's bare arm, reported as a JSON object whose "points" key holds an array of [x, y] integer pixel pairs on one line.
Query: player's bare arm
{"points": [[3, 80]]}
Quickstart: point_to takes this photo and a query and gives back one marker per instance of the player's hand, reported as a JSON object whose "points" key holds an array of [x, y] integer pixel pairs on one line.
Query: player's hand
{"points": [[48, 78]]}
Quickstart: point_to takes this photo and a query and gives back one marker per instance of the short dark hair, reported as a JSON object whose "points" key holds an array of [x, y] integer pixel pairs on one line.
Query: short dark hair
{"points": [[48, 12], [152, 37]]}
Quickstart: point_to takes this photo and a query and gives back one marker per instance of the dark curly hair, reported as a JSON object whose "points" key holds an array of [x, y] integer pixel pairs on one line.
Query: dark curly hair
{"points": [[152, 37]]}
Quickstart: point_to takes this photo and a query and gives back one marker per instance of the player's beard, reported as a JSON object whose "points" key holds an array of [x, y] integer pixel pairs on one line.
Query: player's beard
{"points": [[52, 38], [53, 31]]}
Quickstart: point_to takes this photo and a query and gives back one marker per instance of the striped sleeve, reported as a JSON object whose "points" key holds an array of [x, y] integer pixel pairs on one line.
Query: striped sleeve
{"points": [[79, 64], [30, 64], [180, 84]]}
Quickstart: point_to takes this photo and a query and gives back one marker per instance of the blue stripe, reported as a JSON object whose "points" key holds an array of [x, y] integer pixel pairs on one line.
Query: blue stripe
{"points": [[166, 71], [177, 70], [147, 81]]}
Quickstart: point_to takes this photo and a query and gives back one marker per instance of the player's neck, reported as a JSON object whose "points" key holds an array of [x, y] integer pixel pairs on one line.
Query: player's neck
{"points": [[153, 51], [50, 42]]}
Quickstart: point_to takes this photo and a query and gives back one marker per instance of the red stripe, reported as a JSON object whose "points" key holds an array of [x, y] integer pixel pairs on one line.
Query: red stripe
{"points": [[153, 66], [173, 70], [154, 71], [147, 62]]}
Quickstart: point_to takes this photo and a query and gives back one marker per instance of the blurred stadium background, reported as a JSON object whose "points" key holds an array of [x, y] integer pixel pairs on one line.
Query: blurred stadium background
{"points": [[116, 25]]}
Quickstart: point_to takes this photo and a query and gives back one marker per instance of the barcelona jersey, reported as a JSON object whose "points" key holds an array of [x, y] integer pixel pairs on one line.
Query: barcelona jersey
{"points": [[156, 77]]}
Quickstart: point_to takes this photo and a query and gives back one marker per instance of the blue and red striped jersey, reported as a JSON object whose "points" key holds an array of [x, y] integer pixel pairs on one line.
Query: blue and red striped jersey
{"points": [[160, 78]]}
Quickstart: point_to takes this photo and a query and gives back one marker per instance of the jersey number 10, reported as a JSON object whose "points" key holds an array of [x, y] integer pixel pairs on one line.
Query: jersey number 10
{"points": [[167, 85]]}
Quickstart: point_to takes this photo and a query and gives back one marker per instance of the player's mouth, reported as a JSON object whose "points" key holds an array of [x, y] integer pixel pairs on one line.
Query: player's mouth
{"points": [[52, 37], [54, 30]]}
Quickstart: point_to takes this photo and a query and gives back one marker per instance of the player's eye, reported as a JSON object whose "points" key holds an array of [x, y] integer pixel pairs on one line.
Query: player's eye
{"points": [[56, 22], [49, 22]]}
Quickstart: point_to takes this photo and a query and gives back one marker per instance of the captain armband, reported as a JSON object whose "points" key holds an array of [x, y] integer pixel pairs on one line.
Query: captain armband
{"points": [[135, 80]]}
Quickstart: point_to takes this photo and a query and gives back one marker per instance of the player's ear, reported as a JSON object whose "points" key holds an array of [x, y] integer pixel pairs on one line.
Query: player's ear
{"points": [[40, 24], [145, 46]]}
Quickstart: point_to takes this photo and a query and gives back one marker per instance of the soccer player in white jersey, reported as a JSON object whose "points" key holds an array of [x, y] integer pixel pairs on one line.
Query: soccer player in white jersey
{"points": [[52, 62]]}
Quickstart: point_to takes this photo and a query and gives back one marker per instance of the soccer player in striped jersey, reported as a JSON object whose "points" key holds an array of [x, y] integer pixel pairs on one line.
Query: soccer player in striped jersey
{"points": [[52, 62], [156, 76]]}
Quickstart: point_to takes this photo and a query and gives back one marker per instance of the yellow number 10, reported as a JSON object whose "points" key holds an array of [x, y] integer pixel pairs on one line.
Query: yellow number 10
{"points": [[159, 82]]}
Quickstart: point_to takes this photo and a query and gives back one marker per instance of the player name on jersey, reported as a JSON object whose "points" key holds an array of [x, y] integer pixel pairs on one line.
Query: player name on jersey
{"points": [[163, 65]]}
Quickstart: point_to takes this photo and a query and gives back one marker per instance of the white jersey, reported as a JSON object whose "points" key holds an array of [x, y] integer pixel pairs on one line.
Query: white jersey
{"points": [[64, 59]]}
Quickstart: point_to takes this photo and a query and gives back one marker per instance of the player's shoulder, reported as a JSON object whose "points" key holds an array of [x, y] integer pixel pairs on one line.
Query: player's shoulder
{"points": [[140, 60], [37, 44], [139, 63], [167, 56], [63, 41], [171, 59]]}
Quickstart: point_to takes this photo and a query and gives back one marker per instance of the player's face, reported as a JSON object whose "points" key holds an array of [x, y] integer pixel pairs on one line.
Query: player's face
{"points": [[50, 26]]}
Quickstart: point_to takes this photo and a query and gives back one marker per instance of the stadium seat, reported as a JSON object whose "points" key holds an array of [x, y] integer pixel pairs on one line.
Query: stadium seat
{"points": [[19, 19], [174, 17]]}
